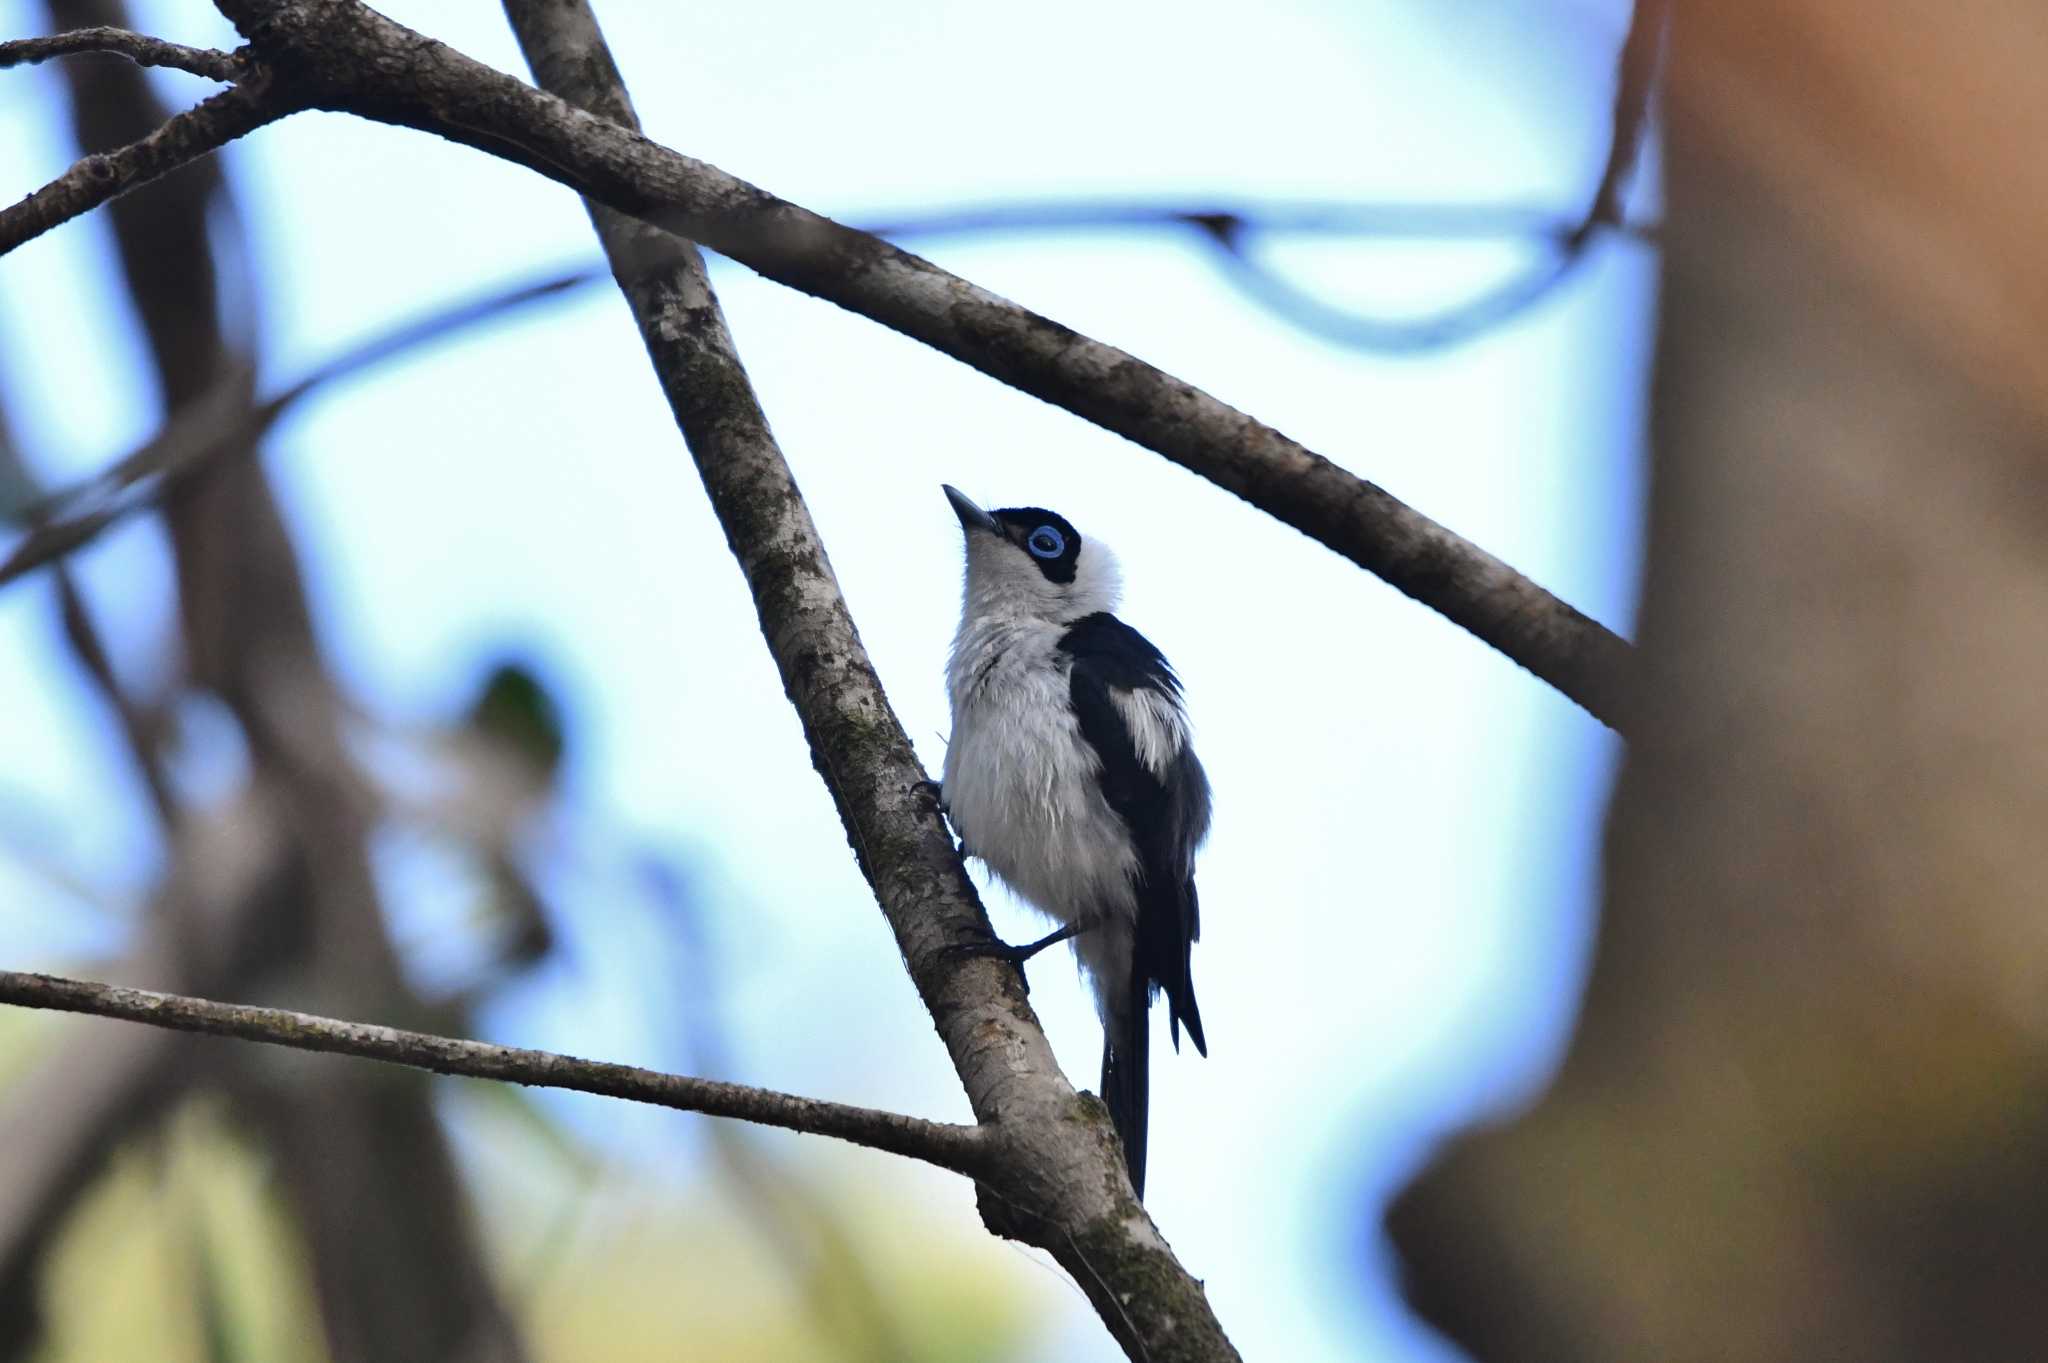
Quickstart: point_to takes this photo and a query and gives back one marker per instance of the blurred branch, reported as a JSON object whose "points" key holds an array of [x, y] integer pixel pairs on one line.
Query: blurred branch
{"points": [[1634, 76], [82, 634], [94, 179], [1291, 302], [1054, 1177], [344, 56], [962, 1149], [1231, 235], [1513, 296], [139, 48], [137, 729], [224, 422], [1306, 218]]}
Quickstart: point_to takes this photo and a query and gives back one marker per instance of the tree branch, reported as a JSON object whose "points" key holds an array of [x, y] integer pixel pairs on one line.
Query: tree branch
{"points": [[962, 1149], [139, 48], [93, 180], [137, 730], [338, 54], [1635, 71], [1280, 217]]}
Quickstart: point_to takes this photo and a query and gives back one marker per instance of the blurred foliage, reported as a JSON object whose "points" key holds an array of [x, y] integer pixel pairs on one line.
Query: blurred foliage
{"points": [[179, 1220], [516, 709], [621, 1264]]}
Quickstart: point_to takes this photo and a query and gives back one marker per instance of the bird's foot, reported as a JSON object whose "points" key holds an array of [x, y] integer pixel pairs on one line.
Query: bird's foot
{"points": [[996, 948], [932, 793]]}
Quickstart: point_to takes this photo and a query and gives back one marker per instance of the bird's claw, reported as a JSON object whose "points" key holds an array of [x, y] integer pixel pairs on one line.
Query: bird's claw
{"points": [[991, 948]]}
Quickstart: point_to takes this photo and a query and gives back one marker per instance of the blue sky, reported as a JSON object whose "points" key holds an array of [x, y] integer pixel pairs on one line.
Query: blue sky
{"points": [[1403, 867]]}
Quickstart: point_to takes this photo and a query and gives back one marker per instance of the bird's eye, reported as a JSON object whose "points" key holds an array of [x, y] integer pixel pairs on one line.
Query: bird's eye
{"points": [[1046, 542]]}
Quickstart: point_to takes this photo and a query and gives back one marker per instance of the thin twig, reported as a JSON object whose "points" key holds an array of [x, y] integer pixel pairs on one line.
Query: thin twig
{"points": [[204, 431], [139, 48], [1231, 235], [1281, 217], [1511, 297], [962, 1149], [93, 180], [1494, 306], [137, 730], [1635, 72]]}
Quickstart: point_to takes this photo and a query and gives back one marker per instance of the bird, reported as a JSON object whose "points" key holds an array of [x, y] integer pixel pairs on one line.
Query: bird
{"points": [[1070, 773]]}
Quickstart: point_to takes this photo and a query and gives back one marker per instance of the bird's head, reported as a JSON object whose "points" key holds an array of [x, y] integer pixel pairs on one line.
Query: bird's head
{"points": [[1025, 561]]}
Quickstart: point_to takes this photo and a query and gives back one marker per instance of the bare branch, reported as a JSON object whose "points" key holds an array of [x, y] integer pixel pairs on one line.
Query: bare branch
{"points": [[93, 180], [224, 421], [1495, 305], [343, 55], [1635, 71], [1233, 233], [962, 1149], [137, 729], [1057, 1180], [139, 48], [1513, 296]]}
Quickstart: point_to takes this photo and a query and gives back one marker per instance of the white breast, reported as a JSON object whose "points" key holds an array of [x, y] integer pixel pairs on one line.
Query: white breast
{"points": [[1021, 782]]}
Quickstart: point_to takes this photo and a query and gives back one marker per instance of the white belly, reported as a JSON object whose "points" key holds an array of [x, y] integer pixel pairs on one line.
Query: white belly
{"points": [[1021, 787]]}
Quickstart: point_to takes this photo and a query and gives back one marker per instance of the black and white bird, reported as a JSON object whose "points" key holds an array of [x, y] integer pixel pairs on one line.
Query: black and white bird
{"points": [[1070, 774]]}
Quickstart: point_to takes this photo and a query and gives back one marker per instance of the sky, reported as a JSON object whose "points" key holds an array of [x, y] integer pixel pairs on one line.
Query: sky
{"points": [[1403, 867]]}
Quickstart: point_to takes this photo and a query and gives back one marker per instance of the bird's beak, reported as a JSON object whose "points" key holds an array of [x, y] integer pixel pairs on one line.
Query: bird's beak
{"points": [[971, 516]]}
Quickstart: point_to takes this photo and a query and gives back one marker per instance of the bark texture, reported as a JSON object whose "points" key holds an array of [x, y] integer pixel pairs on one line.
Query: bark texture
{"points": [[960, 1148]]}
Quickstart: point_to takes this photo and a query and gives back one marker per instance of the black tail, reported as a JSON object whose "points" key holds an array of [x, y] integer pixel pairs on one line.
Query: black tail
{"points": [[1126, 1074]]}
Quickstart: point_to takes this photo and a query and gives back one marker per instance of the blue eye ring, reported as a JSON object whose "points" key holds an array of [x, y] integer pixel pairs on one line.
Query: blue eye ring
{"points": [[1046, 542]]}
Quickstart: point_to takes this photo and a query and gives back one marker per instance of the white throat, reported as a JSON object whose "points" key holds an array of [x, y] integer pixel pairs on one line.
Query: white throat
{"points": [[1004, 584]]}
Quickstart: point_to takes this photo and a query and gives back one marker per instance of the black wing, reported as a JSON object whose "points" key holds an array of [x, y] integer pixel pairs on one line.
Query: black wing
{"points": [[1167, 811]]}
